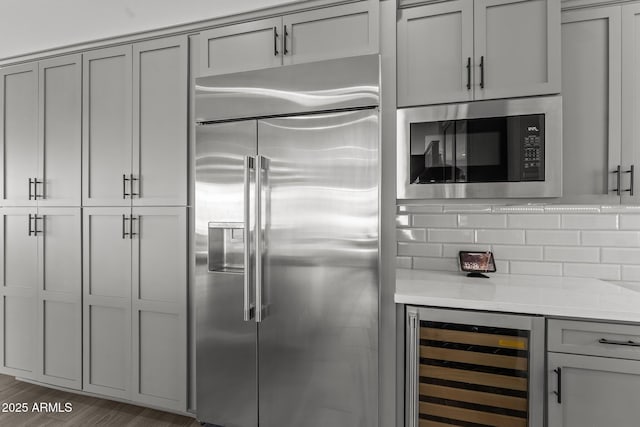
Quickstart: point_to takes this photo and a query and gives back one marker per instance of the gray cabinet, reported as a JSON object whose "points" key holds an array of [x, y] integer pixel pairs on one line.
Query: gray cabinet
{"points": [[40, 263], [593, 374], [135, 124], [40, 124], [134, 310], [328, 33], [630, 103], [462, 50]]}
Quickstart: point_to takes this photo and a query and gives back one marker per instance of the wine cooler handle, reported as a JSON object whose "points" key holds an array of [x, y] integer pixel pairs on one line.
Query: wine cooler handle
{"points": [[412, 370]]}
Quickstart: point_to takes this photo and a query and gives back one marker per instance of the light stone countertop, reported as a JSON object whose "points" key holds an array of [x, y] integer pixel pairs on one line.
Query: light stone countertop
{"points": [[544, 295]]}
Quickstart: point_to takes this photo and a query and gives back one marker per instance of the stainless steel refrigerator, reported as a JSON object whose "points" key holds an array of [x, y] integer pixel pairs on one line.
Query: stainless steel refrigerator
{"points": [[286, 251]]}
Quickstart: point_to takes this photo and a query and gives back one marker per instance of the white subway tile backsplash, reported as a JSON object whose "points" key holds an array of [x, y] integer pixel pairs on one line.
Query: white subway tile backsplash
{"points": [[572, 209], [435, 221], [467, 208], [450, 236], [411, 235], [500, 236], [611, 238], [451, 251], [502, 267], [402, 221], [521, 209], [482, 221], [403, 262], [631, 273], [420, 208], [442, 264], [557, 237], [419, 249], [533, 221], [597, 271], [524, 253], [571, 254], [590, 222], [630, 222], [537, 268], [621, 255]]}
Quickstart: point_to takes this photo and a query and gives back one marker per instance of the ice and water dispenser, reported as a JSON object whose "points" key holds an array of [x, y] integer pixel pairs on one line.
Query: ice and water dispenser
{"points": [[226, 247]]}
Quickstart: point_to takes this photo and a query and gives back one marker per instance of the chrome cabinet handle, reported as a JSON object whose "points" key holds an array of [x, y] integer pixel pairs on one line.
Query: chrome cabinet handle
{"points": [[262, 166], [630, 189], [618, 172], [29, 227], [469, 73], [37, 196], [284, 44], [616, 342], [30, 194], [413, 370], [133, 218], [482, 72], [275, 41], [35, 224], [558, 392], [248, 309], [131, 181], [124, 227], [124, 186]]}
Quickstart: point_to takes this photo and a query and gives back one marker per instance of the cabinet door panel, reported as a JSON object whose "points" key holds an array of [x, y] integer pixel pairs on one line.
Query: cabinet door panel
{"points": [[19, 343], [242, 47], [435, 44], [19, 133], [60, 135], [591, 91], [596, 391], [21, 250], [108, 348], [106, 126], [329, 33], [160, 307], [61, 342], [630, 102], [519, 40], [160, 122]]}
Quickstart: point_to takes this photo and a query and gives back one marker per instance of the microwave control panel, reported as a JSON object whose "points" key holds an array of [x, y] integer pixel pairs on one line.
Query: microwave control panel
{"points": [[532, 132]]}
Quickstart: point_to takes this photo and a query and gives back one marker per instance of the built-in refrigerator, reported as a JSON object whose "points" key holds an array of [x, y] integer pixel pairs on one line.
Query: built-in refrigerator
{"points": [[286, 246]]}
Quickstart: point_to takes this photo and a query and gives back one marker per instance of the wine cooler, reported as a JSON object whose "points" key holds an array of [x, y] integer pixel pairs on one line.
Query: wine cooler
{"points": [[473, 369]]}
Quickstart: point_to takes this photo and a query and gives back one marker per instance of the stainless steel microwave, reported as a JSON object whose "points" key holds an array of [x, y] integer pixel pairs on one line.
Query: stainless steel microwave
{"points": [[485, 149]]}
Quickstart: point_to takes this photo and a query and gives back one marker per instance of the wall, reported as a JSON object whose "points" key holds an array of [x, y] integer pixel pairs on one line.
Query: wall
{"points": [[33, 25], [580, 241]]}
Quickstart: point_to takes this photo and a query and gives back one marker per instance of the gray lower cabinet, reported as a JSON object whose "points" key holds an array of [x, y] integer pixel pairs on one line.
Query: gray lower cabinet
{"points": [[41, 309], [134, 309]]}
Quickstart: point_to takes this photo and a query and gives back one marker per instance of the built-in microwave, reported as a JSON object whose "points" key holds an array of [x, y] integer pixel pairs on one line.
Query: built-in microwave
{"points": [[485, 149]]}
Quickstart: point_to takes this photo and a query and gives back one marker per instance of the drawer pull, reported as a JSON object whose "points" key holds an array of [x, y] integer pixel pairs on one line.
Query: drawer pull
{"points": [[614, 342], [558, 392]]}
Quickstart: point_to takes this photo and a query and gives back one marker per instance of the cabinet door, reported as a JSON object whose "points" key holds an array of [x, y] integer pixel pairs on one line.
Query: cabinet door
{"points": [[518, 44], [60, 132], [18, 134], [60, 297], [106, 259], [241, 47], [160, 122], [160, 307], [630, 103], [595, 391], [106, 138], [435, 46], [332, 32], [591, 91], [19, 261]]}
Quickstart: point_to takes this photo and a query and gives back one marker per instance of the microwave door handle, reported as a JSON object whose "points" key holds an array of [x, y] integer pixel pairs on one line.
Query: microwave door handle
{"points": [[248, 309]]}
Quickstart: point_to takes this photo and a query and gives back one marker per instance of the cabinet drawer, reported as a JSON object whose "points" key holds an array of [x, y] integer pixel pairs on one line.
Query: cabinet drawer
{"points": [[596, 339]]}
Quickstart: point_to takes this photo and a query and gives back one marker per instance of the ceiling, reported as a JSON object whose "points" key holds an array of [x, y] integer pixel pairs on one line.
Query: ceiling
{"points": [[32, 25]]}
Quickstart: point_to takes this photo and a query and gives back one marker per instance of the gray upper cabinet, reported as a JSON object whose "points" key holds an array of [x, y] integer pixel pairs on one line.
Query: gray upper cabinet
{"points": [[328, 33], [135, 124], [241, 47], [60, 132], [160, 144], [335, 32], [630, 183], [107, 132], [432, 73], [19, 134], [461, 50], [591, 97]]}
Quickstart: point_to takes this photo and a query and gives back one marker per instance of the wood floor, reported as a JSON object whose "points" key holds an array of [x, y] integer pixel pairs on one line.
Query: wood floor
{"points": [[87, 411]]}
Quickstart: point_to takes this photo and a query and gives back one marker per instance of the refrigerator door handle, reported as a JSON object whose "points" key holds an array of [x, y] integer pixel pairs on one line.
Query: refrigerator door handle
{"points": [[262, 166], [249, 308]]}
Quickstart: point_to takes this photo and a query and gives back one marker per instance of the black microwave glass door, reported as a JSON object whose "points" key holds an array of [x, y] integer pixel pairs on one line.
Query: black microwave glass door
{"points": [[496, 149]]}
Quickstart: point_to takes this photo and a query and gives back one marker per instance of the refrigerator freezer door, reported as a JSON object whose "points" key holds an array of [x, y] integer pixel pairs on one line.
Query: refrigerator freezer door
{"points": [[226, 365], [319, 335]]}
